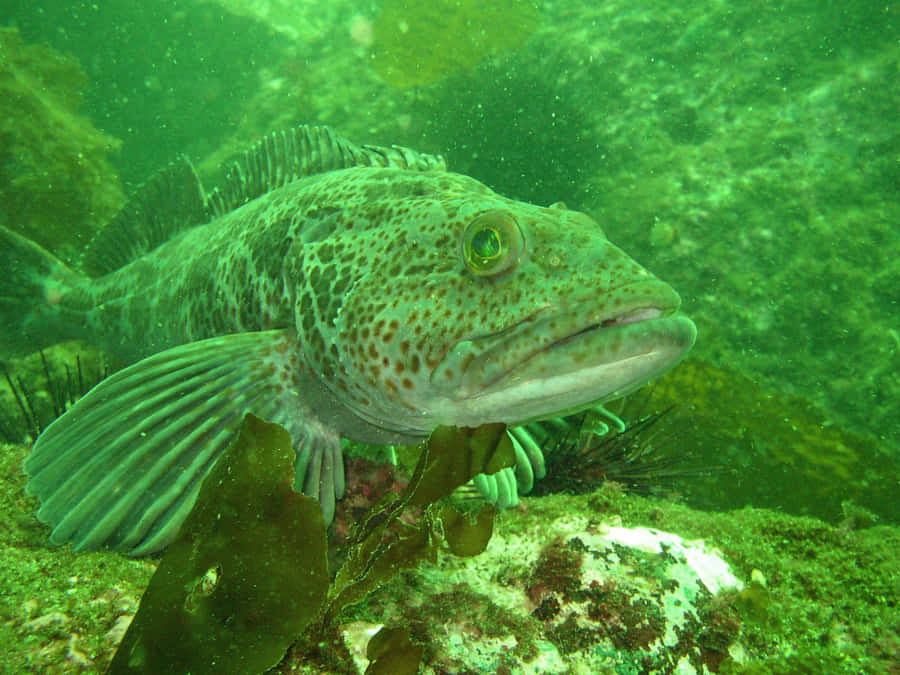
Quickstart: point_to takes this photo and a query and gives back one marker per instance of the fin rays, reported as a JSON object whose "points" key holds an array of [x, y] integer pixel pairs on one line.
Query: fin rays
{"points": [[173, 200], [122, 468], [168, 203], [285, 156]]}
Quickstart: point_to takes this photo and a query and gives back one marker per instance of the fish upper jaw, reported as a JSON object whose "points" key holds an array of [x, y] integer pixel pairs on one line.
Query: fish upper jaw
{"points": [[562, 359]]}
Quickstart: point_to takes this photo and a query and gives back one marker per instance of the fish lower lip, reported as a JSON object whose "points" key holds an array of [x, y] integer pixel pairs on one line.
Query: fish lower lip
{"points": [[594, 362]]}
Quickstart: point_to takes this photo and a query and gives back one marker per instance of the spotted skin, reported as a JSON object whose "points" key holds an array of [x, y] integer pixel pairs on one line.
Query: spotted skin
{"points": [[364, 264]]}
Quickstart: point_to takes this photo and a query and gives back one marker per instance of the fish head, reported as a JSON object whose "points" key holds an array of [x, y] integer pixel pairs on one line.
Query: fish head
{"points": [[464, 307]]}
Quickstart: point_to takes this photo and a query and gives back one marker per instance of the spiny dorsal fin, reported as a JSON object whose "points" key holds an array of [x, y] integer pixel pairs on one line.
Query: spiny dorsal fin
{"points": [[285, 156], [171, 201]]}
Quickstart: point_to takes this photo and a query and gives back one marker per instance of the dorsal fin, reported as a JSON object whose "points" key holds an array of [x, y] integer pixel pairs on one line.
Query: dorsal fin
{"points": [[285, 156], [171, 201]]}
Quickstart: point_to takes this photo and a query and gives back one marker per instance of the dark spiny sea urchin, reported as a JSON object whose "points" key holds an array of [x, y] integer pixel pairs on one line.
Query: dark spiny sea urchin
{"points": [[640, 458], [33, 402]]}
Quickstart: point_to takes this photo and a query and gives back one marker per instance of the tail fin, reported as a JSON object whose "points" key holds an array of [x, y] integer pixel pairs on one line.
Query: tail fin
{"points": [[33, 284]]}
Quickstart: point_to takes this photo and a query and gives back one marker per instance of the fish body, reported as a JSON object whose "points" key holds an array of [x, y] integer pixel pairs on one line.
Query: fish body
{"points": [[343, 291]]}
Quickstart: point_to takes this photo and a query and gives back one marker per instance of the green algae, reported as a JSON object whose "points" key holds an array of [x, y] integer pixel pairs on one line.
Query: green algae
{"points": [[56, 183], [390, 652], [246, 574], [777, 450], [398, 535], [467, 536], [421, 42], [455, 456]]}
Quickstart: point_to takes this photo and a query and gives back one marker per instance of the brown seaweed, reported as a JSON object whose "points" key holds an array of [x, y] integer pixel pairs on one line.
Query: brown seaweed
{"points": [[247, 575]]}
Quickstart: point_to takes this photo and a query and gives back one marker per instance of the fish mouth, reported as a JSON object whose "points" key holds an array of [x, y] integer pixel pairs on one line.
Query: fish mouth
{"points": [[562, 359]]}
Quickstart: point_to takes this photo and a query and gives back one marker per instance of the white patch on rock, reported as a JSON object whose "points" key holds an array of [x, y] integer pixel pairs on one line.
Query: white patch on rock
{"points": [[707, 565]]}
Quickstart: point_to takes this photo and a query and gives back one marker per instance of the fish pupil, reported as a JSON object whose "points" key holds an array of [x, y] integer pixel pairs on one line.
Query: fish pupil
{"points": [[486, 243]]}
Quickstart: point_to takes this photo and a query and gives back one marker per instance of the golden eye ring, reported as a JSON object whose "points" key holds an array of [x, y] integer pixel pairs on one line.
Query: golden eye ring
{"points": [[492, 244]]}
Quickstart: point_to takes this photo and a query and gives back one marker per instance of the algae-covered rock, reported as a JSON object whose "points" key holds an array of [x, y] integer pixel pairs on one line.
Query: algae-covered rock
{"points": [[418, 43], [771, 449], [571, 595], [56, 184], [60, 612], [813, 594], [615, 583]]}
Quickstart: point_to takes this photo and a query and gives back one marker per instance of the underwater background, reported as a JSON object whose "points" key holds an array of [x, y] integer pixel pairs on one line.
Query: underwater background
{"points": [[746, 153]]}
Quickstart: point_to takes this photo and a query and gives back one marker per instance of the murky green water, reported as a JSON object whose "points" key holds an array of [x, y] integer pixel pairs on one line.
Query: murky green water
{"points": [[748, 154]]}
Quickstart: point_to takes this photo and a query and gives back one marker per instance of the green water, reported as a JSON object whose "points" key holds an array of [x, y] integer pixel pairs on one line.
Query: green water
{"points": [[747, 153]]}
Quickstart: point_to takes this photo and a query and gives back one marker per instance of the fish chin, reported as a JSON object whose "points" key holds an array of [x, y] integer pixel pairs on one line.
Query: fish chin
{"points": [[596, 364]]}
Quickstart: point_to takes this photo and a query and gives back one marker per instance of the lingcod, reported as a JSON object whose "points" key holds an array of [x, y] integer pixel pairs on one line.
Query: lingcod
{"points": [[343, 291]]}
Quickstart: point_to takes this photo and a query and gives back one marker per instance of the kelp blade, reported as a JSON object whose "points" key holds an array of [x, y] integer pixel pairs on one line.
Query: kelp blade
{"points": [[244, 577]]}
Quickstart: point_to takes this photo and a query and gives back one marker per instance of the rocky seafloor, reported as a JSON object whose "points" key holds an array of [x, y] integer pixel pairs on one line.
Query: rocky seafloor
{"points": [[601, 583]]}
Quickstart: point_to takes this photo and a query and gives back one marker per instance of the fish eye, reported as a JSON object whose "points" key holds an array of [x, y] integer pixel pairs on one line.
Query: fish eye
{"points": [[492, 243]]}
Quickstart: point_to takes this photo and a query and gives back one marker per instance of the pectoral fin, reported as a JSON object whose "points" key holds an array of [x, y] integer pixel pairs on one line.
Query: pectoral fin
{"points": [[123, 466]]}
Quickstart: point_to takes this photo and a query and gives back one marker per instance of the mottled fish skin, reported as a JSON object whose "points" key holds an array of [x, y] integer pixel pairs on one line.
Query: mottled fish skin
{"points": [[373, 296], [365, 264]]}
